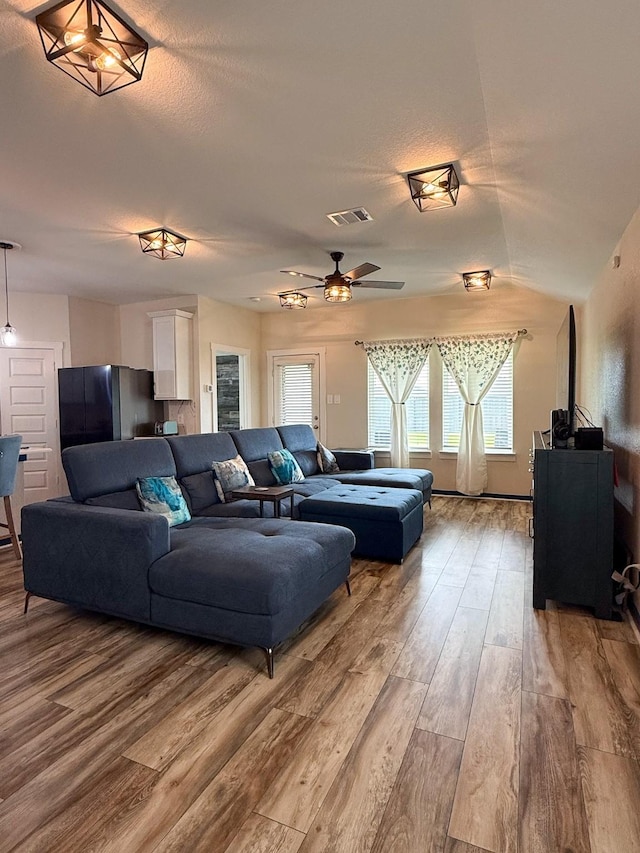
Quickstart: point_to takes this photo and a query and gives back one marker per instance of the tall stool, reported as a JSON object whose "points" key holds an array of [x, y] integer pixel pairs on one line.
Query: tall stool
{"points": [[9, 453]]}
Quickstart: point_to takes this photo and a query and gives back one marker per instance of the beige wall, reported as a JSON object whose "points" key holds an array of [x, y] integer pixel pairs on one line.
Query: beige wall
{"points": [[214, 322], [609, 355], [95, 332], [227, 325], [502, 308], [41, 317]]}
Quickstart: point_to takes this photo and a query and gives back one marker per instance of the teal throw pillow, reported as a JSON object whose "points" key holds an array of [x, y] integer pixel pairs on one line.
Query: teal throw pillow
{"points": [[284, 467], [163, 495], [327, 462], [229, 475]]}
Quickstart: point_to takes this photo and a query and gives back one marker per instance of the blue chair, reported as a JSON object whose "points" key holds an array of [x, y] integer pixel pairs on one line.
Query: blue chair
{"points": [[9, 453]]}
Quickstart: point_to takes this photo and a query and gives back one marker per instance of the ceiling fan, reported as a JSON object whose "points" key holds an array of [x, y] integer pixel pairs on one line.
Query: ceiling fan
{"points": [[337, 285]]}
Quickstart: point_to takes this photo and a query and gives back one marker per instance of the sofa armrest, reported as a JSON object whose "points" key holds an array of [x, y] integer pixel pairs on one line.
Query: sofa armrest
{"points": [[354, 460], [94, 557]]}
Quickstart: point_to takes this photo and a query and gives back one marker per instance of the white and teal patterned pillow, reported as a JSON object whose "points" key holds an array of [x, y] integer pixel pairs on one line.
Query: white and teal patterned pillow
{"points": [[163, 495], [284, 467], [327, 462], [229, 475]]}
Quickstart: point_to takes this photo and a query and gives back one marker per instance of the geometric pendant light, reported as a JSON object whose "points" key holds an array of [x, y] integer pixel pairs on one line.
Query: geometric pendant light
{"points": [[162, 243], [8, 334], [478, 280], [293, 299], [91, 43], [433, 188]]}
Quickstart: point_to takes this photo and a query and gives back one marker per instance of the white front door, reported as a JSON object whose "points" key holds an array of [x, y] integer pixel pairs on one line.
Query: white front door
{"points": [[29, 406], [296, 384]]}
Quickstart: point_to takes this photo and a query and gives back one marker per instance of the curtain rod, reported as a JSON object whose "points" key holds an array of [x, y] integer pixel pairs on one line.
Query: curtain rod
{"points": [[521, 333]]}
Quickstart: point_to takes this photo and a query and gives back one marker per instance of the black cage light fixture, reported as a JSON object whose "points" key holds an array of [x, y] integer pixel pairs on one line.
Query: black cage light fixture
{"points": [[162, 243], [434, 187], [91, 43], [479, 280], [293, 299]]}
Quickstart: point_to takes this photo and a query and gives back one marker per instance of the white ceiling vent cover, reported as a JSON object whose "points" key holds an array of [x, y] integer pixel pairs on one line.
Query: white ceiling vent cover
{"points": [[350, 217]]}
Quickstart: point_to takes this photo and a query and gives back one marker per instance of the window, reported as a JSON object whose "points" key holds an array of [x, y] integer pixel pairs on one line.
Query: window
{"points": [[497, 412], [417, 408]]}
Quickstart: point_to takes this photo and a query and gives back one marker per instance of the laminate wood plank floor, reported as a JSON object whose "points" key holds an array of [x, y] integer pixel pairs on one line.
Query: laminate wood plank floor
{"points": [[434, 711]]}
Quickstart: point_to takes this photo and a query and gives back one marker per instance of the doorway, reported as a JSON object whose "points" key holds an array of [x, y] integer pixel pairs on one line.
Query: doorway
{"points": [[29, 406], [296, 389], [230, 390]]}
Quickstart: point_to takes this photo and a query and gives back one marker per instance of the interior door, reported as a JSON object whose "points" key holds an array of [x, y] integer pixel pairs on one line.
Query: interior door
{"points": [[296, 390], [28, 406]]}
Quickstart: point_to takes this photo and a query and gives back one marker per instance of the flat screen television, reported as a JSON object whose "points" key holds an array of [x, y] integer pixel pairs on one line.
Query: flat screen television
{"points": [[566, 367]]}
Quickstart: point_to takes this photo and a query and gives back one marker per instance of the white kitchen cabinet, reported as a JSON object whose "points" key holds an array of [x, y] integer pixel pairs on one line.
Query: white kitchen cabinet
{"points": [[172, 354]]}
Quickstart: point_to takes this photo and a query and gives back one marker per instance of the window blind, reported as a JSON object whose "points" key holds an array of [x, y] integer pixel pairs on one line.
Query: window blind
{"points": [[497, 411], [417, 408], [296, 394]]}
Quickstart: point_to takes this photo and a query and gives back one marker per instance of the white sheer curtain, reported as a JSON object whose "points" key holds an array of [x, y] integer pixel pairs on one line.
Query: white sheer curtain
{"points": [[398, 365], [474, 361]]}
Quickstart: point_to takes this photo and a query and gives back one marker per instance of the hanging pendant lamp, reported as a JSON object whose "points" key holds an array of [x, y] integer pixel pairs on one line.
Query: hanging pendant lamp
{"points": [[8, 334]]}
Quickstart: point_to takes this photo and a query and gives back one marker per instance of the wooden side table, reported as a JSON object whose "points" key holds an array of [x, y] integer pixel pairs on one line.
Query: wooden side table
{"points": [[270, 494]]}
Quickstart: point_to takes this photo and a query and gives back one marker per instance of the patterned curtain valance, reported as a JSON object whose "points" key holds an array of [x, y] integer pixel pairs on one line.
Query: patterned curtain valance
{"points": [[475, 355]]}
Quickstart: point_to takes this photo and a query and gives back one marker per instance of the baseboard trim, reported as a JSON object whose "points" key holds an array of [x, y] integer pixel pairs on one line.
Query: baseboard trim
{"points": [[453, 493]]}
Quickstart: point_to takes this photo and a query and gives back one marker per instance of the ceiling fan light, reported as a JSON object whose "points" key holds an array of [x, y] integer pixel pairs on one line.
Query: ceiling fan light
{"points": [[479, 280], [334, 292], [434, 187], [162, 243], [295, 299], [91, 43]]}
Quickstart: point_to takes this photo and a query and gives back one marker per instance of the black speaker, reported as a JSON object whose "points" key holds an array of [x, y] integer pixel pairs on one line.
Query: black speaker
{"points": [[589, 438], [560, 428]]}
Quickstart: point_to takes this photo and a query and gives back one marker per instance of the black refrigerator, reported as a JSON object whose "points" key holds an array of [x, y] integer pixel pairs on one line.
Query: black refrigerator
{"points": [[106, 403]]}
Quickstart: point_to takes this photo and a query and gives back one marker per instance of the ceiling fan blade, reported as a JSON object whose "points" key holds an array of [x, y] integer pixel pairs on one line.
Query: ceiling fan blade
{"points": [[361, 271], [383, 285], [302, 274]]}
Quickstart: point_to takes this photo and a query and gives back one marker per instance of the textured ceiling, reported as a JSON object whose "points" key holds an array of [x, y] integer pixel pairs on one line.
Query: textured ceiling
{"points": [[253, 120]]}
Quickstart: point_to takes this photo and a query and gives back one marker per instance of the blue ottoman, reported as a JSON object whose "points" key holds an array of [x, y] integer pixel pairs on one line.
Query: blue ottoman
{"points": [[386, 522], [403, 478]]}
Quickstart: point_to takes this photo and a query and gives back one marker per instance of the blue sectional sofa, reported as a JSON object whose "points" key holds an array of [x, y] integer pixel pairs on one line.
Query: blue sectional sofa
{"points": [[227, 574]]}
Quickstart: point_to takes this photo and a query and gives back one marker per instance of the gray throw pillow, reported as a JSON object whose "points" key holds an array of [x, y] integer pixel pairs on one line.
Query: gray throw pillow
{"points": [[327, 462], [229, 475]]}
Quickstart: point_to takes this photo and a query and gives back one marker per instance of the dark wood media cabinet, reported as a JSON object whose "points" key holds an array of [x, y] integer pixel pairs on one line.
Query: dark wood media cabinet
{"points": [[573, 527]]}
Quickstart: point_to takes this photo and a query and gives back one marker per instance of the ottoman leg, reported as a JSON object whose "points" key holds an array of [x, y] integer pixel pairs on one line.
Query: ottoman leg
{"points": [[348, 586]]}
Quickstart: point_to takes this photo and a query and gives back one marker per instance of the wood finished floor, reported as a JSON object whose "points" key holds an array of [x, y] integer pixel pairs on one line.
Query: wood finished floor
{"points": [[434, 710]]}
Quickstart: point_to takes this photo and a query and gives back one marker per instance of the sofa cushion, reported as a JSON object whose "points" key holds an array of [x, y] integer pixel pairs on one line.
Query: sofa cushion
{"points": [[247, 565], [229, 475], [327, 462], [200, 490], [300, 439], [285, 468], [128, 499], [195, 453], [113, 466], [162, 495], [253, 445]]}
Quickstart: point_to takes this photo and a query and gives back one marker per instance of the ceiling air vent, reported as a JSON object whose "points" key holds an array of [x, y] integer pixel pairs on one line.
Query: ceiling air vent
{"points": [[350, 217]]}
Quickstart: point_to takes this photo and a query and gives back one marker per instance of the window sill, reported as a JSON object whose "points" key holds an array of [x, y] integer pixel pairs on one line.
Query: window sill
{"points": [[427, 454], [491, 454]]}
